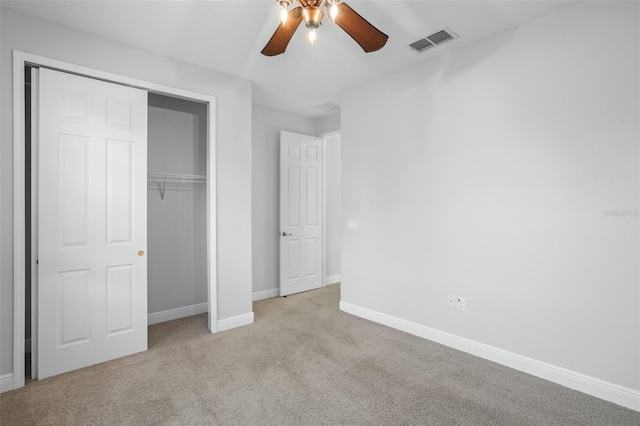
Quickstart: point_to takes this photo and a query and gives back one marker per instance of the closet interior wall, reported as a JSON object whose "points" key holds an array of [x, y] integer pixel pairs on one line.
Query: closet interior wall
{"points": [[177, 245]]}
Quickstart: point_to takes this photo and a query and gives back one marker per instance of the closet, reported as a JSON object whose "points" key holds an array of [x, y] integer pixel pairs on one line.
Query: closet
{"points": [[176, 208]]}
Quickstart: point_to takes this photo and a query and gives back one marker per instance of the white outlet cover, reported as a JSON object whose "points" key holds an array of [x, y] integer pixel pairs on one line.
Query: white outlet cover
{"points": [[461, 303], [353, 225], [451, 302]]}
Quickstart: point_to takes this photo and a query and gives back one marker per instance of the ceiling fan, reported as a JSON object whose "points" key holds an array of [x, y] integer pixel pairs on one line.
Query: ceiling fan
{"points": [[366, 35]]}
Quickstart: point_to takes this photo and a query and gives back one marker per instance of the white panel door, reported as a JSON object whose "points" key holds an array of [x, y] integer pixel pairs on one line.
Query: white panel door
{"points": [[300, 213], [92, 267]]}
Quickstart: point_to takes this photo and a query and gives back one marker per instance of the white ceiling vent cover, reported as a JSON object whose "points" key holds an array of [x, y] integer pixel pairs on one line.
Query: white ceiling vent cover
{"points": [[433, 40]]}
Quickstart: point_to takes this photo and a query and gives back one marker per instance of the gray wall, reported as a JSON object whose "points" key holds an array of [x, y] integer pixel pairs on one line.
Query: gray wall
{"points": [[266, 126], [177, 245], [495, 173], [330, 123], [333, 194], [233, 143]]}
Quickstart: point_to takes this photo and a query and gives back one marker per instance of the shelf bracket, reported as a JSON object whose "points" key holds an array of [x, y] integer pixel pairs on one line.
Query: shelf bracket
{"points": [[162, 188]]}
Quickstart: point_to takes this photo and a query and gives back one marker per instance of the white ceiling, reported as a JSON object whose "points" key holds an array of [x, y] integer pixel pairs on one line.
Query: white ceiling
{"points": [[228, 35]]}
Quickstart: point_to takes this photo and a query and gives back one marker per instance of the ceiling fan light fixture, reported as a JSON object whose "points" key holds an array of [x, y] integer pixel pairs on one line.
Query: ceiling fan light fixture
{"points": [[361, 31], [284, 13], [312, 17], [333, 8], [333, 12]]}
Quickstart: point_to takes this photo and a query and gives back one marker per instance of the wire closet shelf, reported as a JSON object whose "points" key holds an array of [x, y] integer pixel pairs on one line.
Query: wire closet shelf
{"points": [[174, 181]]}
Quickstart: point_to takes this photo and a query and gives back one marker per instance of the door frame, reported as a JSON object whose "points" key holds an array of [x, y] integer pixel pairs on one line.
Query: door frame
{"points": [[22, 59]]}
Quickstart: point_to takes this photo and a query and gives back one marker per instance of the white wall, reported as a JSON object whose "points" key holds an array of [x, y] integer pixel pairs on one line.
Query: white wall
{"points": [[266, 126], [490, 173], [233, 139], [177, 224]]}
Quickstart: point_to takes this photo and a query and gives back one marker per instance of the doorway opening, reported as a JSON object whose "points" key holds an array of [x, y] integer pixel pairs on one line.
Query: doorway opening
{"points": [[176, 208]]}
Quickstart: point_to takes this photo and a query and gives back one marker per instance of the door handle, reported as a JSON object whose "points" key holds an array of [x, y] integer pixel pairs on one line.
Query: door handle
{"points": [[284, 234]]}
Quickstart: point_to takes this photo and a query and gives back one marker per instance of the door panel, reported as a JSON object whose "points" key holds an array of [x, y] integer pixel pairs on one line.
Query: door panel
{"points": [[312, 196], [120, 190], [92, 283], [120, 306], [300, 213], [73, 208], [74, 307]]}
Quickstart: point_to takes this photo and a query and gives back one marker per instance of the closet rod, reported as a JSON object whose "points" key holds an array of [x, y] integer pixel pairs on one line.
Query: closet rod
{"points": [[175, 179]]}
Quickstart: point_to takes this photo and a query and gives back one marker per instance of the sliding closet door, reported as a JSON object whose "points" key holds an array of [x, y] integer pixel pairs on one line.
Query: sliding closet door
{"points": [[92, 265]]}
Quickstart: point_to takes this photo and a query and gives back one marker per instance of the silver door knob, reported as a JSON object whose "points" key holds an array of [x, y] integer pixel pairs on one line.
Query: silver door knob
{"points": [[284, 234]]}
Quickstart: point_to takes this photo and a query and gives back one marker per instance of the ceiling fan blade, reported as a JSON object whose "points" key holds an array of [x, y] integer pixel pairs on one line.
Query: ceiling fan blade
{"points": [[366, 35], [280, 39]]}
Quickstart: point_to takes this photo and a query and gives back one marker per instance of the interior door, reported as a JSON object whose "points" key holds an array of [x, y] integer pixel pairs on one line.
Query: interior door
{"points": [[92, 269], [300, 213]]}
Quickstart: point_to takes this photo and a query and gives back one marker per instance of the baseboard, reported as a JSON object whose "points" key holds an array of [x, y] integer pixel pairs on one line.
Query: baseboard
{"points": [[332, 279], [266, 294], [233, 322], [172, 314], [611, 392], [6, 382]]}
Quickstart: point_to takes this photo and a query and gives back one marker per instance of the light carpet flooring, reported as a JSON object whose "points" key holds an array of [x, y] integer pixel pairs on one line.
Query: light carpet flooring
{"points": [[303, 362]]}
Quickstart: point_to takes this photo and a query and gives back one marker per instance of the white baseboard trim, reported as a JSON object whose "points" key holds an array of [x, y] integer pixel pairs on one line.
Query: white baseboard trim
{"points": [[172, 314], [266, 294], [233, 322], [332, 279], [6, 382], [611, 392]]}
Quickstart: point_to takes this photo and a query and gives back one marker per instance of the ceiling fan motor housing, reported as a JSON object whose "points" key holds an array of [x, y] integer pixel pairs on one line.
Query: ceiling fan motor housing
{"points": [[312, 17]]}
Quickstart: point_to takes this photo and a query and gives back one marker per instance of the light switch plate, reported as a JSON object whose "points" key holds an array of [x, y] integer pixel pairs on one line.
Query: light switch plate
{"points": [[353, 225]]}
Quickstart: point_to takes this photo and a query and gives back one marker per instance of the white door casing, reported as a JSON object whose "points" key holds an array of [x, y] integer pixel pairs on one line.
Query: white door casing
{"points": [[35, 81], [301, 245], [92, 266]]}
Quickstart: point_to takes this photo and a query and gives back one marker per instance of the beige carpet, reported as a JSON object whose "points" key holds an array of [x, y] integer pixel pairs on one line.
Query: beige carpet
{"points": [[303, 362]]}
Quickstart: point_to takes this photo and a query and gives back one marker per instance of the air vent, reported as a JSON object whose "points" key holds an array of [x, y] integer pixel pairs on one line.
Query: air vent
{"points": [[433, 40], [440, 37], [421, 45]]}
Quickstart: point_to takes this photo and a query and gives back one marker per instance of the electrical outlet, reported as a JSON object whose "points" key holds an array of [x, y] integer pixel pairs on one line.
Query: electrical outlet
{"points": [[461, 303], [451, 301]]}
